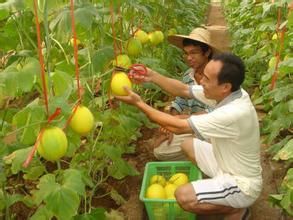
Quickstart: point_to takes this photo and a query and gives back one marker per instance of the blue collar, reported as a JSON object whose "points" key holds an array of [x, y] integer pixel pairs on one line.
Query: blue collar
{"points": [[234, 95]]}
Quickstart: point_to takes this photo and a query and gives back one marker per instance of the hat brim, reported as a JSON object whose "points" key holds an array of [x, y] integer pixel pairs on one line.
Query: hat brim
{"points": [[177, 40]]}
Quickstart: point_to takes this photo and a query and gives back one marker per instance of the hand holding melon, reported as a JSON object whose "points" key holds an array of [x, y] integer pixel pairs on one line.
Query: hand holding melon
{"points": [[118, 82]]}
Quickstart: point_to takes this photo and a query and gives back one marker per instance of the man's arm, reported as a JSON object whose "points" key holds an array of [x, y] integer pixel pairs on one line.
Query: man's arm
{"points": [[171, 86], [171, 123]]}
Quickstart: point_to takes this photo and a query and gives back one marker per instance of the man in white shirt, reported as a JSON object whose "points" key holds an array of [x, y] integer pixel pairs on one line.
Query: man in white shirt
{"points": [[226, 144]]}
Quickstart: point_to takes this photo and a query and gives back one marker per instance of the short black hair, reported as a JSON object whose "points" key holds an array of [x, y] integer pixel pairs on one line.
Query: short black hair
{"points": [[204, 47], [233, 70]]}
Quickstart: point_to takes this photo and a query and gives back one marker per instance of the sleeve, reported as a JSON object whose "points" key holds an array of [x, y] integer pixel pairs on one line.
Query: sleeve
{"points": [[196, 91], [217, 124]]}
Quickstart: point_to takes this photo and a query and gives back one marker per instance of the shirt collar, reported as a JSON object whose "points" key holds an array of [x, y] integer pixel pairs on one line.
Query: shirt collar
{"points": [[191, 73], [234, 95]]}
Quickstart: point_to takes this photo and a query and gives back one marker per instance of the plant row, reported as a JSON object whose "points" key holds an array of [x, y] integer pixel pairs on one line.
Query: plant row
{"points": [[262, 34]]}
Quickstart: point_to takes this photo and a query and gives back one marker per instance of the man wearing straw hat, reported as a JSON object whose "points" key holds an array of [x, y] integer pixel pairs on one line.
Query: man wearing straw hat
{"points": [[226, 146], [198, 50]]}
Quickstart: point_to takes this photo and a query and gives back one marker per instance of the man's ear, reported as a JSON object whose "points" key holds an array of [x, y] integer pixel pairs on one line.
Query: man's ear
{"points": [[227, 87], [208, 52]]}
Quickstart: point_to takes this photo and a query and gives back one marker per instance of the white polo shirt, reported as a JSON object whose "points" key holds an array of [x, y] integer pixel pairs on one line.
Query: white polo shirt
{"points": [[233, 130]]}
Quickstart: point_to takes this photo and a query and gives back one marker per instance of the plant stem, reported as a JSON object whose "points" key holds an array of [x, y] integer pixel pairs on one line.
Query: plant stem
{"points": [[85, 204], [24, 32], [59, 166], [7, 216], [26, 124], [47, 40], [3, 119], [93, 148], [62, 49], [93, 191]]}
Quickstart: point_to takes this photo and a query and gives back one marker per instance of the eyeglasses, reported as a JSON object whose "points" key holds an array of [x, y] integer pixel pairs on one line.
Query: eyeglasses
{"points": [[192, 53]]}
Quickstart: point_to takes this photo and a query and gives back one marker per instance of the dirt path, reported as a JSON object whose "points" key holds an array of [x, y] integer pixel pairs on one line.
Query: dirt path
{"points": [[217, 25]]}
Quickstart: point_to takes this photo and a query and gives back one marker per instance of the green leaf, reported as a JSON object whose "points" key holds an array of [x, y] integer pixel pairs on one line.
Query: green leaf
{"points": [[266, 8], [42, 213], [101, 58], [279, 108], [11, 199], [117, 197], [277, 125], [46, 186], [98, 213], [267, 76], [74, 142], [34, 171], [4, 14], [288, 180], [9, 37], [72, 179], [114, 214], [119, 168], [290, 20], [10, 81], [2, 200], [19, 158], [63, 66], [9, 4], [63, 202], [268, 25], [276, 198], [275, 148], [60, 102], [286, 153], [62, 26], [2, 173], [51, 6], [20, 77], [282, 93], [290, 104], [28, 119], [27, 74], [286, 202], [84, 16], [62, 83], [286, 66]]}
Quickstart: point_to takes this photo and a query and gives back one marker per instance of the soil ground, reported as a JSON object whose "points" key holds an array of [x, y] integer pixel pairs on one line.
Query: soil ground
{"points": [[134, 209]]}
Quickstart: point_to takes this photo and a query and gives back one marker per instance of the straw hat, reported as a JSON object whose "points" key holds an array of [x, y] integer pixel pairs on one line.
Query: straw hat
{"points": [[198, 34]]}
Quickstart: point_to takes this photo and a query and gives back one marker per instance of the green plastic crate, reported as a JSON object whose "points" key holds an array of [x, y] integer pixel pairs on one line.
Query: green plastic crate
{"points": [[167, 209]]}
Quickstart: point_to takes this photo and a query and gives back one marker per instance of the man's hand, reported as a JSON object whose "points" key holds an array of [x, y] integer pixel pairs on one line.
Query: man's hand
{"points": [[141, 78], [169, 135], [164, 135], [132, 98], [173, 111]]}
